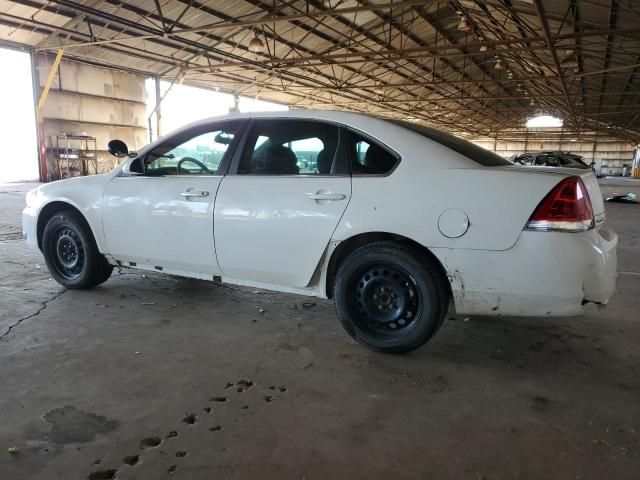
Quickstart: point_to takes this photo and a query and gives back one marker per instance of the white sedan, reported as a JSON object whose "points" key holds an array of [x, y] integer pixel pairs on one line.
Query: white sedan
{"points": [[393, 221]]}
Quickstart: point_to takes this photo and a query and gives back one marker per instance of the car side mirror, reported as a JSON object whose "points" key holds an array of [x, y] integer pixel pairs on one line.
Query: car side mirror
{"points": [[118, 148], [133, 167]]}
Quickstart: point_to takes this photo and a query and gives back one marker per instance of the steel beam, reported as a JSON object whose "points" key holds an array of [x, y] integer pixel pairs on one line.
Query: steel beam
{"points": [[551, 44]]}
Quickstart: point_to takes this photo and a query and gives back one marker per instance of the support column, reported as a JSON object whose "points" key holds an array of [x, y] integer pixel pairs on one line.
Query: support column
{"points": [[158, 108], [44, 176], [41, 143], [236, 105]]}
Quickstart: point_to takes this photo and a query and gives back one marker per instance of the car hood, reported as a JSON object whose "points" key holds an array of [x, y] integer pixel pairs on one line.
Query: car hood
{"points": [[72, 183]]}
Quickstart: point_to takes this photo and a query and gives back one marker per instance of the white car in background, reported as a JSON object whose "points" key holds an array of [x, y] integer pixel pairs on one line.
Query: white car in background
{"points": [[392, 220]]}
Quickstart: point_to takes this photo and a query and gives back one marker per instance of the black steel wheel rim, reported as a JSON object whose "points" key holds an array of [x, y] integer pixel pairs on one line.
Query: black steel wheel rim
{"points": [[69, 254], [385, 300]]}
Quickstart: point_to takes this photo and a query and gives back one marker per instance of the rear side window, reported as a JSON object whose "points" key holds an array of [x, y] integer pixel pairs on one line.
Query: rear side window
{"points": [[368, 157], [541, 160], [289, 147], [468, 149], [552, 161], [565, 160]]}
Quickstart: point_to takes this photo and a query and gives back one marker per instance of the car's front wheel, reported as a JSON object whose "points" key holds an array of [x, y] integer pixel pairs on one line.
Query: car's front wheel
{"points": [[389, 297], [71, 253]]}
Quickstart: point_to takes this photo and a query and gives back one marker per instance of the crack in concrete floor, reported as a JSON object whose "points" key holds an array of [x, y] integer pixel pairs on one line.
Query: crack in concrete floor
{"points": [[43, 306]]}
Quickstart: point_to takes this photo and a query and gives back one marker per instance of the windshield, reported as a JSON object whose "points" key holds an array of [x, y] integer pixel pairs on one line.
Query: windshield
{"points": [[463, 147]]}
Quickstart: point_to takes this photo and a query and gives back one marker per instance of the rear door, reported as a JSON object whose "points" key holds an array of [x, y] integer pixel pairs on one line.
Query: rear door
{"points": [[278, 208]]}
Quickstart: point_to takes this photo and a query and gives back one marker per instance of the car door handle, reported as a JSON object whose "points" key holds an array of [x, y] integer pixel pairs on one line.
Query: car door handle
{"points": [[327, 196], [195, 193]]}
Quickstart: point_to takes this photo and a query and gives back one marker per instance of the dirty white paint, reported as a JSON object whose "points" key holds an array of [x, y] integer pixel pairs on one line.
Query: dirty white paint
{"points": [[268, 231]]}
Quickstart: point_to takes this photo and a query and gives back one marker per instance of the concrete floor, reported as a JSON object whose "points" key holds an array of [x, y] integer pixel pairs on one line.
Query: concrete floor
{"points": [[153, 377]]}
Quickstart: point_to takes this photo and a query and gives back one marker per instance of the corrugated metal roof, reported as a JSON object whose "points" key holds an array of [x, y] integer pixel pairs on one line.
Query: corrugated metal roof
{"points": [[404, 58]]}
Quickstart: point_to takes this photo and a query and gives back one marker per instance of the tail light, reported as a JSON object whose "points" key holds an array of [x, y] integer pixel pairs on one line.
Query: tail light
{"points": [[567, 208]]}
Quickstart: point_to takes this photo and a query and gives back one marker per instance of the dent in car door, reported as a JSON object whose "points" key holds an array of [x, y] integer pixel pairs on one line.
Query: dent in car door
{"points": [[275, 217]]}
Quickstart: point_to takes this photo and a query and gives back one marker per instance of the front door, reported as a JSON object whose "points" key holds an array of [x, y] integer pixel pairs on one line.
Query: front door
{"points": [[162, 217], [275, 216]]}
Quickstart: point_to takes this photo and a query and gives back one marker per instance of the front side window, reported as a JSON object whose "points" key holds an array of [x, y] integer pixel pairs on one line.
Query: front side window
{"points": [[524, 159], [369, 158], [289, 147], [189, 154]]}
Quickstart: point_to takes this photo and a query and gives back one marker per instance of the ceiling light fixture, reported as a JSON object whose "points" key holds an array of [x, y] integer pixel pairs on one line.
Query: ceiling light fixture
{"points": [[464, 25], [256, 45]]}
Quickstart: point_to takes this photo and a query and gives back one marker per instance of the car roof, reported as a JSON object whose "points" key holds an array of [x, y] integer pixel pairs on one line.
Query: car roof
{"points": [[330, 115], [379, 127], [549, 152]]}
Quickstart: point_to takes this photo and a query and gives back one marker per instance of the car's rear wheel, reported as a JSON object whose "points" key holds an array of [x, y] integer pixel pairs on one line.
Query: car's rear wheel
{"points": [[389, 297], [71, 253]]}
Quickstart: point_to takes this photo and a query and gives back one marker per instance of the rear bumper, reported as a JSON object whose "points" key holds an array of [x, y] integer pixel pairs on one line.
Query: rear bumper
{"points": [[543, 274]]}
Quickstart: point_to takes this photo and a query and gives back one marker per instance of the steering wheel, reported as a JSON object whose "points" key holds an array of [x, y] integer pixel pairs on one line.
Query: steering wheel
{"points": [[203, 167]]}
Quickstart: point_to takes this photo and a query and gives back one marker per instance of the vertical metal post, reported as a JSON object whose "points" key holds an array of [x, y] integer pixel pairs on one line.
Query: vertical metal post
{"points": [[595, 148], [43, 98], [41, 146], [236, 105], [158, 108]]}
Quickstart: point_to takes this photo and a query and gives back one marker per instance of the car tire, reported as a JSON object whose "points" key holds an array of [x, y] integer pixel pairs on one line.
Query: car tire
{"points": [[390, 297], [71, 253]]}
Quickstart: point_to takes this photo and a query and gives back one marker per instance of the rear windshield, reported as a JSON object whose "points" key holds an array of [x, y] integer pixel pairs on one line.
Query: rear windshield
{"points": [[468, 149], [569, 159]]}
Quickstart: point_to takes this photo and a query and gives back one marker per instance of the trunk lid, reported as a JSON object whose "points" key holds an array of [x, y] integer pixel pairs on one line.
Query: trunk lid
{"points": [[588, 178], [595, 194]]}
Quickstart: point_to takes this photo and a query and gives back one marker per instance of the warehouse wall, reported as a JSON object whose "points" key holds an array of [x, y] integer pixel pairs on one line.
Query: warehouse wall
{"points": [[609, 153], [98, 102]]}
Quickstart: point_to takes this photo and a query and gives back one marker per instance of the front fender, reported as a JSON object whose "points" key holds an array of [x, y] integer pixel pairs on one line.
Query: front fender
{"points": [[84, 194]]}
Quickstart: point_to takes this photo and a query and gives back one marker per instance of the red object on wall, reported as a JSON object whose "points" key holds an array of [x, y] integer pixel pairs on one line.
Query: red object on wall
{"points": [[42, 154]]}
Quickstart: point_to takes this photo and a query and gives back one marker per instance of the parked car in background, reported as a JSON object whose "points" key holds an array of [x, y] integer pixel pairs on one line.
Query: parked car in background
{"points": [[551, 159], [392, 220]]}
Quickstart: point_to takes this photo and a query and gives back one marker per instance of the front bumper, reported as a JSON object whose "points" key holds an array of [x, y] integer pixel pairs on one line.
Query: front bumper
{"points": [[543, 274], [29, 226]]}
